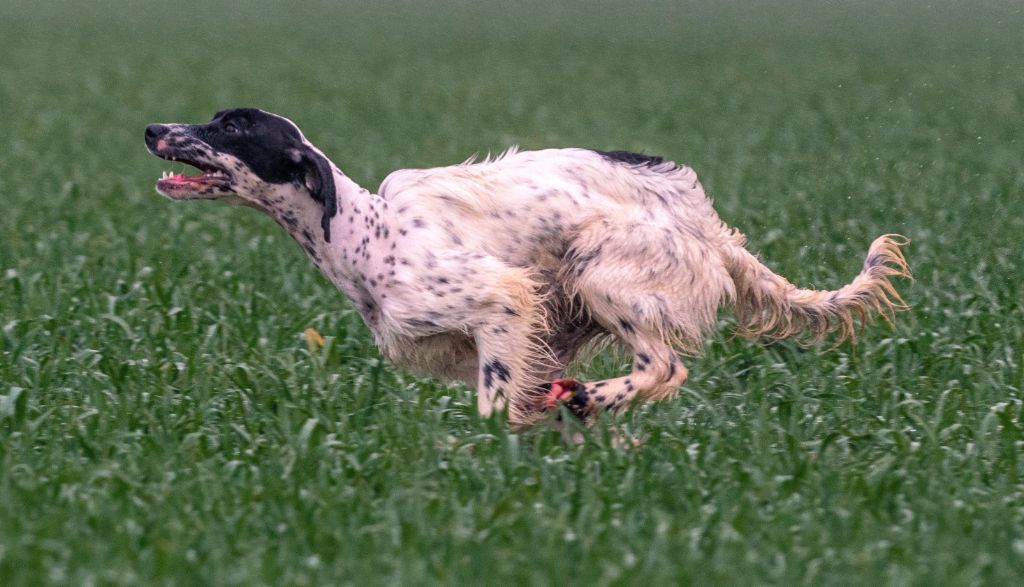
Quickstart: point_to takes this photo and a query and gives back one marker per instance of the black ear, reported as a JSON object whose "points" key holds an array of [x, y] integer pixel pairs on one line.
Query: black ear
{"points": [[319, 179]]}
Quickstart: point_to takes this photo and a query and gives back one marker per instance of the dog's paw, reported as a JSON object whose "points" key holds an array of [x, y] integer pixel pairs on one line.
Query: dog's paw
{"points": [[568, 392], [559, 391]]}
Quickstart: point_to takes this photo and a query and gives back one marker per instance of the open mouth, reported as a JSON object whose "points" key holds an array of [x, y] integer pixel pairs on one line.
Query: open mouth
{"points": [[211, 181]]}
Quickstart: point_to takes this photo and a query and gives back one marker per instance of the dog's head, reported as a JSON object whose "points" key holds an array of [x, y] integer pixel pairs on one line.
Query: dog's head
{"points": [[244, 154]]}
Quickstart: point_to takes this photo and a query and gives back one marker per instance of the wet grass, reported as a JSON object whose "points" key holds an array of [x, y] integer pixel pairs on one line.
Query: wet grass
{"points": [[163, 421]]}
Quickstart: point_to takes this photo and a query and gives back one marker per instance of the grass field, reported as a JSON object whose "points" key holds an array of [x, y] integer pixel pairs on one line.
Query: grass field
{"points": [[163, 421]]}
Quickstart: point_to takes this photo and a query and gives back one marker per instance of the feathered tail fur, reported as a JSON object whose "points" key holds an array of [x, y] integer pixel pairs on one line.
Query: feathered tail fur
{"points": [[767, 304]]}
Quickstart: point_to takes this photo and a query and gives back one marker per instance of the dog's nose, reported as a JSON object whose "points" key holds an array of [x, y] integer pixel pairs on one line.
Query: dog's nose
{"points": [[154, 132]]}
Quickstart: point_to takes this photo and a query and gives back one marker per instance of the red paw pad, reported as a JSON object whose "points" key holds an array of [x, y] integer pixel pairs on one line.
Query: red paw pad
{"points": [[561, 390]]}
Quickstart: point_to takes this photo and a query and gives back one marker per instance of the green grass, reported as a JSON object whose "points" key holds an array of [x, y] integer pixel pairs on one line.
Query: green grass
{"points": [[162, 420]]}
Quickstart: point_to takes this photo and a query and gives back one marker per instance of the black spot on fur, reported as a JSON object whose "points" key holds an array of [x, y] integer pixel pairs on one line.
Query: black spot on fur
{"points": [[495, 369], [631, 158], [583, 260], [311, 252], [415, 323], [577, 404], [626, 326]]}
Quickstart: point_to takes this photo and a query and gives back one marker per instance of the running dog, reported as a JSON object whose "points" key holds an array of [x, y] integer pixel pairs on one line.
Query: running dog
{"points": [[497, 273]]}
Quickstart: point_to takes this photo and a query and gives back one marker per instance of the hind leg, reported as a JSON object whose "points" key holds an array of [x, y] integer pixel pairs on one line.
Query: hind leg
{"points": [[656, 289], [657, 374]]}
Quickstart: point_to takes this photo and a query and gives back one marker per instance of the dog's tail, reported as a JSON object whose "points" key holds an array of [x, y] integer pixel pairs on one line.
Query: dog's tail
{"points": [[768, 305]]}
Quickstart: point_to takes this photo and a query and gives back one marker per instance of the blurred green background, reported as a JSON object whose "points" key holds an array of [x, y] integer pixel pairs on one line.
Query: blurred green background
{"points": [[162, 420]]}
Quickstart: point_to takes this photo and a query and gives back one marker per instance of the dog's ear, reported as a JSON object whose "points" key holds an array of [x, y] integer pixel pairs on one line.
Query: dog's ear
{"points": [[318, 178]]}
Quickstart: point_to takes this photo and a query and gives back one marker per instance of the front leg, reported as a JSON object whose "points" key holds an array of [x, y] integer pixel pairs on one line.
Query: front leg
{"points": [[498, 306], [511, 366]]}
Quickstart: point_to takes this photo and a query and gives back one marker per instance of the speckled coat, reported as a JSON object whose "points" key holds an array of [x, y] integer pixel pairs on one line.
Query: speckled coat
{"points": [[497, 272]]}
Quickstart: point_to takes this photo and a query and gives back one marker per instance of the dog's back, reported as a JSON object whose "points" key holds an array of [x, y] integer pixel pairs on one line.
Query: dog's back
{"points": [[554, 210]]}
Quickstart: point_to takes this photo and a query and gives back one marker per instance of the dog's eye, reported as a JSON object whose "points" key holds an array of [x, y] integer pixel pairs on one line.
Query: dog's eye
{"points": [[230, 128]]}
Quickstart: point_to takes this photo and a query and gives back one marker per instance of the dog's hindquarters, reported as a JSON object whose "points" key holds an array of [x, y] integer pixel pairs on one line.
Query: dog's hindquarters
{"points": [[766, 304], [656, 289]]}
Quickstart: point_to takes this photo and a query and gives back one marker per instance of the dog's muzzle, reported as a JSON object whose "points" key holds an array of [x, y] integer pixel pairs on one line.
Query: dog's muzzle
{"points": [[174, 143]]}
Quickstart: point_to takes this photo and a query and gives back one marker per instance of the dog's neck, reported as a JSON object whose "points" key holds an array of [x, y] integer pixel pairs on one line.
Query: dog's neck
{"points": [[359, 221]]}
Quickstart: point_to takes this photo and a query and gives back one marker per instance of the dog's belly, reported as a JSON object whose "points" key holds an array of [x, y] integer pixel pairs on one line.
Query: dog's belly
{"points": [[447, 355], [453, 355]]}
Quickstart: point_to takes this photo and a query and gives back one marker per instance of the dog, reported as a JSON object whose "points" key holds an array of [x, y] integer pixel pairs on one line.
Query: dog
{"points": [[498, 272]]}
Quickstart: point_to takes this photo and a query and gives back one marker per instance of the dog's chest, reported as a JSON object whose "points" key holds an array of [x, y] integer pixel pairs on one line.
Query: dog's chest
{"points": [[365, 301]]}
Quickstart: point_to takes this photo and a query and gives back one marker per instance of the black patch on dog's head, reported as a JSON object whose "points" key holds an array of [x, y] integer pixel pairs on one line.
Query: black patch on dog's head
{"points": [[260, 140], [274, 150], [630, 158]]}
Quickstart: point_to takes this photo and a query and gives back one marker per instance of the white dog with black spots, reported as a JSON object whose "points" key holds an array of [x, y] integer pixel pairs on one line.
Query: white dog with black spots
{"points": [[498, 272]]}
